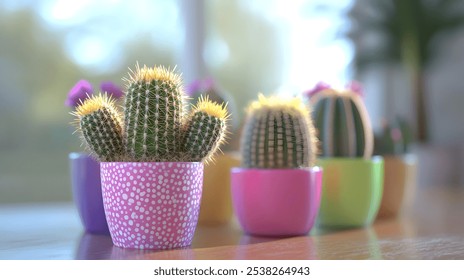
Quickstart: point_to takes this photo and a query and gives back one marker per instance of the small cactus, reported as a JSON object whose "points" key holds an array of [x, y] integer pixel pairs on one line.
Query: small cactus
{"points": [[394, 139], [278, 133], [204, 130], [156, 127], [209, 87], [343, 123], [100, 124]]}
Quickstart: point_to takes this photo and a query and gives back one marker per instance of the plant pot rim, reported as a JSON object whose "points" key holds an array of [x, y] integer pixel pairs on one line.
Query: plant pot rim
{"points": [[314, 169], [408, 157], [76, 155], [373, 159], [154, 162]]}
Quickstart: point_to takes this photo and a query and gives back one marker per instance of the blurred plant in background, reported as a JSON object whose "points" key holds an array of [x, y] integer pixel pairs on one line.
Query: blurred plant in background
{"points": [[394, 139], [408, 33], [48, 45]]}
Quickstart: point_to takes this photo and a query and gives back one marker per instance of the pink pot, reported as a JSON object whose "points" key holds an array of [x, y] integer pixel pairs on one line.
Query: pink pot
{"points": [[276, 202], [152, 205]]}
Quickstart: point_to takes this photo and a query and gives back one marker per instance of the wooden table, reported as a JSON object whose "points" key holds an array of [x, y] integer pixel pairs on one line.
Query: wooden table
{"points": [[433, 228]]}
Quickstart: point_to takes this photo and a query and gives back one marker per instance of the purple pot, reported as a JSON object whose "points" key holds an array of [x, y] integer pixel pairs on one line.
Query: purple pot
{"points": [[87, 193], [152, 205], [276, 202]]}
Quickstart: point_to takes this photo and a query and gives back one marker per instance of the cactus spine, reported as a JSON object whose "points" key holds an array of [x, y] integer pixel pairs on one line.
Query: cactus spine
{"points": [[155, 126], [100, 125], [343, 124], [278, 133]]}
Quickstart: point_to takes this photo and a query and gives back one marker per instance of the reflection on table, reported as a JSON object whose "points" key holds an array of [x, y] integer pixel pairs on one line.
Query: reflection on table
{"points": [[432, 229]]}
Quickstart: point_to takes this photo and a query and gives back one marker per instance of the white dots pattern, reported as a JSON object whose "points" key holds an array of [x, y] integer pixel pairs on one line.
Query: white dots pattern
{"points": [[144, 210]]}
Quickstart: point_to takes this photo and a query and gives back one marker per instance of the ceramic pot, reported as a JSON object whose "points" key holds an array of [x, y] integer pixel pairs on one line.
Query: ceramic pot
{"points": [[399, 185], [351, 191], [87, 193], [152, 205], [276, 202], [216, 201]]}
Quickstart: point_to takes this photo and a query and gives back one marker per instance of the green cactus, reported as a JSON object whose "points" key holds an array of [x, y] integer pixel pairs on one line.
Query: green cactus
{"points": [[100, 125], [204, 129], [278, 133], [394, 139], [153, 115], [155, 126], [343, 124]]}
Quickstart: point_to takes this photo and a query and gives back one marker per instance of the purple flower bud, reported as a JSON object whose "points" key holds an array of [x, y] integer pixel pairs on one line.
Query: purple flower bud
{"points": [[200, 86], [78, 93], [111, 89], [319, 87], [208, 84], [194, 87], [356, 87]]}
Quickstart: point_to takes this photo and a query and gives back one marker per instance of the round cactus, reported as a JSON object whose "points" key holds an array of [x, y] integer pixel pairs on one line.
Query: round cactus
{"points": [[278, 133], [343, 123]]}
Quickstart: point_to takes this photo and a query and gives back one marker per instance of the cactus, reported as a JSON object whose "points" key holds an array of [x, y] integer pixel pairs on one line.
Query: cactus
{"points": [[394, 139], [153, 114], [100, 125], [204, 130], [343, 123], [278, 133], [208, 87], [155, 126]]}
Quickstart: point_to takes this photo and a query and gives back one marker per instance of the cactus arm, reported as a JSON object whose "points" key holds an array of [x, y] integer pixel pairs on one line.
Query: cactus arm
{"points": [[100, 126], [205, 130]]}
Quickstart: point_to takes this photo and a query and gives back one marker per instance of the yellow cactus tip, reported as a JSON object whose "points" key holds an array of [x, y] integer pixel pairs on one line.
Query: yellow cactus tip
{"points": [[278, 102], [148, 74], [93, 104], [212, 108]]}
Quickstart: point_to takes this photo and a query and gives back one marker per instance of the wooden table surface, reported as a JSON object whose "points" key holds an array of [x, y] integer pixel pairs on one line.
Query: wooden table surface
{"points": [[432, 228]]}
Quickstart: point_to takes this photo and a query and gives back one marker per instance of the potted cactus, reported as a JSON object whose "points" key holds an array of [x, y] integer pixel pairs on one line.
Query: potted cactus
{"points": [[85, 170], [392, 142], [216, 201], [276, 192], [152, 157], [353, 179]]}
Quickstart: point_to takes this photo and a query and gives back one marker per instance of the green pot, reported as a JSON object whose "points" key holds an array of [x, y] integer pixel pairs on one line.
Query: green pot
{"points": [[351, 191]]}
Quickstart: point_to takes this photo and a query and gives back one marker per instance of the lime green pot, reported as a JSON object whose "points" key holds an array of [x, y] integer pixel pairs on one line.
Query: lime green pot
{"points": [[351, 191]]}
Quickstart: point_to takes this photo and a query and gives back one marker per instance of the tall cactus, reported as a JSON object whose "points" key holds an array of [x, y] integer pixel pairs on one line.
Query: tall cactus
{"points": [[205, 129], [100, 124], [278, 133], [343, 123], [153, 114]]}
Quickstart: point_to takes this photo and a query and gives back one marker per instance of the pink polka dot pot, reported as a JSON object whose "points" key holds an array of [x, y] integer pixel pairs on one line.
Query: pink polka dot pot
{"points": [[152, 205]]}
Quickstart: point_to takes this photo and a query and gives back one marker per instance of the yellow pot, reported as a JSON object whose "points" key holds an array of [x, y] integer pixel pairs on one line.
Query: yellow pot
{"points": [[216, 201], [399, 185]]}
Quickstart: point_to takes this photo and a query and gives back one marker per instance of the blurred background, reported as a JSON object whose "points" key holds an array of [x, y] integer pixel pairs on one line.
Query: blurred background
{"points": [[407, 54]]}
